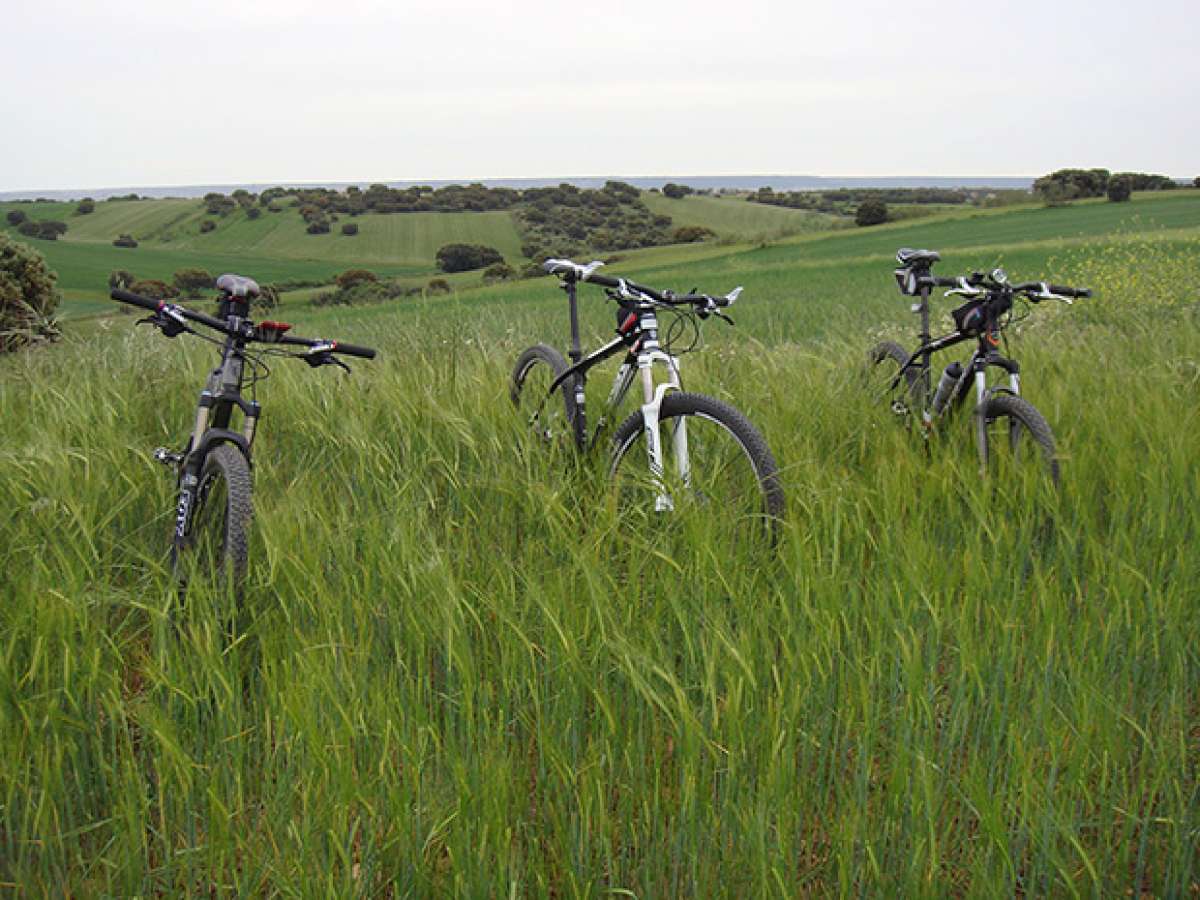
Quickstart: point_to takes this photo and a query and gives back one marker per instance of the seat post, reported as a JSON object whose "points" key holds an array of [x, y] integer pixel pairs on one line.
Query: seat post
{"points": [[576, 351], [233, 306]]}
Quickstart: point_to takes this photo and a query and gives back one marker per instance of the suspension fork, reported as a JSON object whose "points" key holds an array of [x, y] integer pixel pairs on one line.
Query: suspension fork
{"points": [[980, 362], [652, 397]]}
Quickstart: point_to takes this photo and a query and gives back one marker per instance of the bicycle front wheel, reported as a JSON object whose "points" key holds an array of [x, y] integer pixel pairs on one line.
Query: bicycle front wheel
{"points": [[217, 544], [717, 470], [1014, 440]]}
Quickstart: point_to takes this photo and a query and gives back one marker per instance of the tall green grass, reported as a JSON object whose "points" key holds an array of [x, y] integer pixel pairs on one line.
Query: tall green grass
{"points": [[455, 672]]}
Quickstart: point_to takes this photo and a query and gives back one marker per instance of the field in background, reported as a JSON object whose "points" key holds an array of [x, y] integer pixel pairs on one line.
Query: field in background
{"points": [[734, 219], [457, 672], [273, 247]]}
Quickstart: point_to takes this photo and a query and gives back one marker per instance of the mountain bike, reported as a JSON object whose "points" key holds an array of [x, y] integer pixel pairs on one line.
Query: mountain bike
{"points": [[1005, 423], [214, 508], [701, 452]]}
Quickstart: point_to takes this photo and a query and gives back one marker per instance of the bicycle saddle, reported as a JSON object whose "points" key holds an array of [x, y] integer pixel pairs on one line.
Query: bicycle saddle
{"points": [[906, 256], [237, 285]]}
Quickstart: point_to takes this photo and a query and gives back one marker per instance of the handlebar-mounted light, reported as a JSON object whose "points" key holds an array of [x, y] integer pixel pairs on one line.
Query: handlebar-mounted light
{"points": [[269, 332]]}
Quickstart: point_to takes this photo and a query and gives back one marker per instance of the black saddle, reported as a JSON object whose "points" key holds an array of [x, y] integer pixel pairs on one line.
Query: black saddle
{"points": [[237, 285], [909, 258]]}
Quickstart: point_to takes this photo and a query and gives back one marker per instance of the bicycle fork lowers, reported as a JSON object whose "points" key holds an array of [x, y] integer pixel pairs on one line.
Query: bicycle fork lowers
{"points": [[638, 331]]}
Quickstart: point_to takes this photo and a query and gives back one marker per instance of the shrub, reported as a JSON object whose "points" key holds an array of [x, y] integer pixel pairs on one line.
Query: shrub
{"points": [[191, 282], [318, 226], [120, 278], [1195, 184], [154, 289], [253, 212], [268, 297], [439, 286], [499, 272], [351, 277], [29, 228], [360, 292], [622, 190], [16, 217], [1069, 184], [216, 204], [51, 230], [28, 297], [1119, 188], [690, 234], [675, 191], [871, 212], [207, 225], [350, 229], [125, 240], [86, 205], [464, 257]]}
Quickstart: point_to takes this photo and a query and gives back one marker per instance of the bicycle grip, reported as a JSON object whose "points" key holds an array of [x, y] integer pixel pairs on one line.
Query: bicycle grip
{"points": [[603, 280], [1064, 291], [135, 300], [352, 350]]}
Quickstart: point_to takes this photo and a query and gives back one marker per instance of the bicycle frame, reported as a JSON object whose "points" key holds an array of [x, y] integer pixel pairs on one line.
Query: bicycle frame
{"points": [[984, 356], [638, 337]]}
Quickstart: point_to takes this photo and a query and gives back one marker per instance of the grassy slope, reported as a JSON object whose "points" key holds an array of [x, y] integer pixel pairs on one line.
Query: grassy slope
{"points": [[457, 671], [737, 219], [273, 247], [1175, 209]]}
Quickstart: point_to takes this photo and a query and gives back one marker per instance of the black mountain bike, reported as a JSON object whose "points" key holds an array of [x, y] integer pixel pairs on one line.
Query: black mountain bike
{"points": [[213, 512], [700, 451], [1005, 424]]}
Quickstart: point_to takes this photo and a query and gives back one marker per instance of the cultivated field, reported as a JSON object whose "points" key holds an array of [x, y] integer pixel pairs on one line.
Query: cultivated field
{"points": [[275, 246], [736, 219], [456, 672]]}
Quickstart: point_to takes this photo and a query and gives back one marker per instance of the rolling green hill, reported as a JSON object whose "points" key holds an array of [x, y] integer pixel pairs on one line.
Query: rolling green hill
{"points": [[458, 671], [273, 247], [736, 219]]}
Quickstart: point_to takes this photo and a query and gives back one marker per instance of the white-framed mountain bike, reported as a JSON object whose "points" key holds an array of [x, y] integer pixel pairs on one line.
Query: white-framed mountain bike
{"points": [[699, 452]]}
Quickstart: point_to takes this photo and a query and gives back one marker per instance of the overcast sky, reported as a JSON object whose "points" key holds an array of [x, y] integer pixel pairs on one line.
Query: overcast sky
{"points": [[126, 92]]}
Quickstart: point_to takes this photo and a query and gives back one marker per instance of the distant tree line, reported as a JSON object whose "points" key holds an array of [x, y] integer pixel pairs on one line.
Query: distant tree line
{"points": [[1065, 185], [554, 220], [840, 201]]}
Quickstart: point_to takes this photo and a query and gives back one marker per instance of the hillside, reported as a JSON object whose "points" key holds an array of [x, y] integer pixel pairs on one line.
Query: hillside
{"points": [[274, 247], [456, 667], [734, 218]]}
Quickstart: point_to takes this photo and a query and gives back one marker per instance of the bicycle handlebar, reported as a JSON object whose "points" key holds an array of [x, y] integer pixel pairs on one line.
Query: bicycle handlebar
{"points": [[161, 307], [1038, 289], [331, 346], [1060, 290], [573, 271]]}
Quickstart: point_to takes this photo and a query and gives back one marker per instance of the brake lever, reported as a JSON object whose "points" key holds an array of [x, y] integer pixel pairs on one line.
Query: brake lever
{"points": [[168, 326], [323, 358], [711, 309]]}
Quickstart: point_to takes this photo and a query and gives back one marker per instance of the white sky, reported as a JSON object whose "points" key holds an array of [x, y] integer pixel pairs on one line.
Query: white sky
{"points": [[128, 92]]}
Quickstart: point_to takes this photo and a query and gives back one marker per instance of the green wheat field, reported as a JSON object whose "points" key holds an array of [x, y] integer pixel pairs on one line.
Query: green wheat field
{"points": [[456, 671]]}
